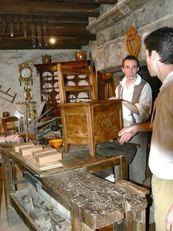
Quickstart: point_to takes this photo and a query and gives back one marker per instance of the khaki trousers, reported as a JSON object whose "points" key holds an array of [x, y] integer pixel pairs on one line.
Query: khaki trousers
{"points": [[163, 198]]}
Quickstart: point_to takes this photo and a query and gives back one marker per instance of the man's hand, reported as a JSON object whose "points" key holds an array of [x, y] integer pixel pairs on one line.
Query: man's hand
{"points": [[126, 134], [169, 219]]}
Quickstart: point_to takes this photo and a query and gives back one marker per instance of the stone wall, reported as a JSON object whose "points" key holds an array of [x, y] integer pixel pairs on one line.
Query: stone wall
{"points": [[111, 28], [9, 75]]}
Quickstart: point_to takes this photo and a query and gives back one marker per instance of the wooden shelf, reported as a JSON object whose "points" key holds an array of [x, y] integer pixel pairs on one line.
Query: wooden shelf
{"points": [[49, 81]]}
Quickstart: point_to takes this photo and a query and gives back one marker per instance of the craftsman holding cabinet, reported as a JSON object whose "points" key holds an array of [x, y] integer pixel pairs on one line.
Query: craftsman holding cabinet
{"points": [[137, 104], [159, 57]]}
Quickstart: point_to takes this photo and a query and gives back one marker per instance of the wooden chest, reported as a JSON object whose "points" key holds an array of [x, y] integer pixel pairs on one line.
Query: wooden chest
{"points": [[90, 123]]}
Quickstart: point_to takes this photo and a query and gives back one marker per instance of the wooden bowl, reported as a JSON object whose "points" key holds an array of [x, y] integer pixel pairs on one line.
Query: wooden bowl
{"points": [[56, 143]]}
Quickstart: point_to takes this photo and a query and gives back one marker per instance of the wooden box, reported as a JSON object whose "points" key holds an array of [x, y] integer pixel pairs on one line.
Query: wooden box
{"points": [[90, 123], [47, 156]]}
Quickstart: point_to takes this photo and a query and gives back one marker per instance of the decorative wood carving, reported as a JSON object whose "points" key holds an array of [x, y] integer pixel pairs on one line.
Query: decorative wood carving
{"points": [[133, 41]]}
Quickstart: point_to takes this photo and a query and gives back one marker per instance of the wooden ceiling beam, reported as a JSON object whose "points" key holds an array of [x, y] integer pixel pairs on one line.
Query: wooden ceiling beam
{"points": [[65, 20], [55, 35], [27, 44], [93, 2], [106, 1], [70, 31], [46, 20], [45, 8], [66, 31]]}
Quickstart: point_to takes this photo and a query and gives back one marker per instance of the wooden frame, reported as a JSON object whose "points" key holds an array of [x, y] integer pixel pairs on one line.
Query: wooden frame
{"points": [[64, 88]]}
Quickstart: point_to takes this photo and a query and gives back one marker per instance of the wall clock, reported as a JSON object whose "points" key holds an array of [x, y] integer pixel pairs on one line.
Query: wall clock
{"points": [[25, 70]]}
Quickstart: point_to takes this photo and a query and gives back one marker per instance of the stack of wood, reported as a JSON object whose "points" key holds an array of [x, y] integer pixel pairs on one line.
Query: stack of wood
{"points": [[39, 155]]}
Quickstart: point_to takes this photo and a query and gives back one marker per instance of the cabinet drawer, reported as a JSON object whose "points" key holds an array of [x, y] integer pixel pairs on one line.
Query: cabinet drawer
{"points": [[37, 212]]}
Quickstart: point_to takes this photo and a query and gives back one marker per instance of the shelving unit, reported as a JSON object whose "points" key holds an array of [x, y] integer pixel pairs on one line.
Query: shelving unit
{"points": [[49, 83]]}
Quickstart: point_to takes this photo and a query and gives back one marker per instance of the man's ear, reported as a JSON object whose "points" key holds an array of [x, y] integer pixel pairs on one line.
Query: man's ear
{"points": [[155, 56]]}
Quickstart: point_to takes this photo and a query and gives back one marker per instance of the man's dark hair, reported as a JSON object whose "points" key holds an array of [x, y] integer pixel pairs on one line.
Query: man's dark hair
{"points": [[161, 40], [130, 57]]}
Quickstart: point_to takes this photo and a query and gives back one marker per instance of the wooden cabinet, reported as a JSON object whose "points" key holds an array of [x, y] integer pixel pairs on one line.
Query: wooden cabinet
{"points": [[86, 122], [91, 122], [49, 84]]}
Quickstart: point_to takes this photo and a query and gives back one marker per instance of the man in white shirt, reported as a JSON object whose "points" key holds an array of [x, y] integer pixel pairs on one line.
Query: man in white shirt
{"points": [[137, 104], [159, 57]]}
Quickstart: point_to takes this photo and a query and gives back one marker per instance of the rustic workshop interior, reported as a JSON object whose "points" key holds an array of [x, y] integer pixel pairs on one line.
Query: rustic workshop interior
{"points": [[62, 167]]}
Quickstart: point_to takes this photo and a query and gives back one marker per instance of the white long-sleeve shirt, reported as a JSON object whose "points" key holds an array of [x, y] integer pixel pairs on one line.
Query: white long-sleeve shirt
{"points": [[144, 105]]}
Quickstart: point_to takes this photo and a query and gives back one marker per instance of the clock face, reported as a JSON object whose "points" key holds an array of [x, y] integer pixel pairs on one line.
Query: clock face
{"points": [[26, 72]]}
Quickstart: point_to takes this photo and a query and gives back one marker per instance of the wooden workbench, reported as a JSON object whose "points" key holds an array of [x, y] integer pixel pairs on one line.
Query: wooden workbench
{"points": [[95, 203], [107, 156]]}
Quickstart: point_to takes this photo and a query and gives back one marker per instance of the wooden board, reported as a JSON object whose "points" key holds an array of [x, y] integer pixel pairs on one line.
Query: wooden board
{"points": [[48, 158], [28, 151], [22, 145]]}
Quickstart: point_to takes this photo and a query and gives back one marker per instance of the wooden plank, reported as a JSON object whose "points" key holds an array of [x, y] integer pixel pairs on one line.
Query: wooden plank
{"points": [[47, 156], [28, 151], [9, 187], [22, 145], [133, 188], [45, 8]]}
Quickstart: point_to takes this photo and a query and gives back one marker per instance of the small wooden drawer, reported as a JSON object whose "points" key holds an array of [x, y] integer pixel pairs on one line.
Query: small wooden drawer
{"points": [[37, 212]]}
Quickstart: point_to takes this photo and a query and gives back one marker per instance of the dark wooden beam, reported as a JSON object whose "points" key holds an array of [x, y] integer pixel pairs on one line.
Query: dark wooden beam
{"points": [[60, 20], [93, 2], [73, 30], [61, 43], [106, 1], [47, 8], [46, 20], [66, 31]]}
